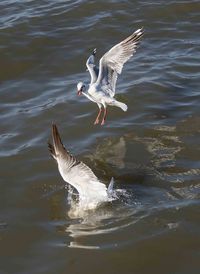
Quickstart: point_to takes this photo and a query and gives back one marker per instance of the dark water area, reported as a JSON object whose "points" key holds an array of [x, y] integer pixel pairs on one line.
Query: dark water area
{"points": [[152, 150]]}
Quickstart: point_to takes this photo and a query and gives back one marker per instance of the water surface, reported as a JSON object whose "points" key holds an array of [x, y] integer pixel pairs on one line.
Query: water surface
{"points": [[152, 151]]}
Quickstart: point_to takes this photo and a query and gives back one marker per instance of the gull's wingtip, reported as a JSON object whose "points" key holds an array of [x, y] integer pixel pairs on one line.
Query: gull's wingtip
{"points": [[57, 147], [55, 135], [53, 125], [51, 146], [94, 51], [51, 150], [53, 128], [139, 31], [111, 186]]}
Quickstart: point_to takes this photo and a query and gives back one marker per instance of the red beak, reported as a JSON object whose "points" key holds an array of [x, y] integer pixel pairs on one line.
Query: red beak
{"points": [[79, 92]]}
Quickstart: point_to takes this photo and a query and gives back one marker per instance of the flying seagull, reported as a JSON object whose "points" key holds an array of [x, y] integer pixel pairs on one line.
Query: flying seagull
{"points": [[101, 89], [77, 174]]}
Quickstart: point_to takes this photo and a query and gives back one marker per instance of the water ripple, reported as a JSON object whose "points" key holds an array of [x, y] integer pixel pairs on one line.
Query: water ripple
{"points": [[152, 150]]}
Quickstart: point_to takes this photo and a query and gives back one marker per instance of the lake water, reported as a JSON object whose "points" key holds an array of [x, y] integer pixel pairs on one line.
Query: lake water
{"points": [[152, 150]]}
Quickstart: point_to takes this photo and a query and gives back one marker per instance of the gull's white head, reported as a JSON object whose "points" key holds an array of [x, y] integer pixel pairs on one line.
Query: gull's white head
{"points": [[80, 88]]}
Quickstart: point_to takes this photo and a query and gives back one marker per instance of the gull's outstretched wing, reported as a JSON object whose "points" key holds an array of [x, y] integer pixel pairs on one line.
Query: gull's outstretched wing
{"points": [[111, 63], [93, 70], [58, 151], [76, 173]]}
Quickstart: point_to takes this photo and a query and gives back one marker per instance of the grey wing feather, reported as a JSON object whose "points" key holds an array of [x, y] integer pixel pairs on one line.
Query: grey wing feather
{"points": [[84, 172], [112, 62], [67, 163], [93, 70]]}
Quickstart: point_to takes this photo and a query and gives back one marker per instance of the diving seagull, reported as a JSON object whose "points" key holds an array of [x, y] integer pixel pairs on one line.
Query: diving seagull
{"points": [[101, 89], [77, 174]]}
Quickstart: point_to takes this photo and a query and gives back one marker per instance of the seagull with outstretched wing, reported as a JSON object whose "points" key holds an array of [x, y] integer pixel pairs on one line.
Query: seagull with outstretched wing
{"points": [[91, 191], [101, 89]]}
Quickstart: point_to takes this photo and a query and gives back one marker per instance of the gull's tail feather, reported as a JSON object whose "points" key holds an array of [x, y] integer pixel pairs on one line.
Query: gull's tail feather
{"points": [[121, 105]]}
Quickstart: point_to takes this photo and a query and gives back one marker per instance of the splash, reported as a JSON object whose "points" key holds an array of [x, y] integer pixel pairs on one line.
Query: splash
{"points": [[80, 206]]}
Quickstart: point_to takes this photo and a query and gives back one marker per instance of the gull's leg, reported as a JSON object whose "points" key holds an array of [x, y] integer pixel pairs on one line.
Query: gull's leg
{"points": [[98, 115], [104, 116]]}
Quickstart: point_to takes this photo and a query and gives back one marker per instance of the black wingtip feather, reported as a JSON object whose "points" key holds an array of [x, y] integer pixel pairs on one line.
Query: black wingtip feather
{"points": [[51, 149], [57, 149], [94, 52], [134, 37], [57, 142]]}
